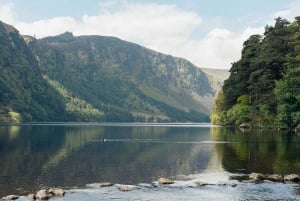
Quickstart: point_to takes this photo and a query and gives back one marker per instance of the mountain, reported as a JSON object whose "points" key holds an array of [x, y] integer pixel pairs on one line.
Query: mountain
{"points": [[24, 94], [263, 88], [97, 78]]}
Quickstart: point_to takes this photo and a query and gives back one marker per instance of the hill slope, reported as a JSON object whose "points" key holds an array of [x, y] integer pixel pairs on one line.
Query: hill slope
{"points": [[95, 78], [24, 94]]}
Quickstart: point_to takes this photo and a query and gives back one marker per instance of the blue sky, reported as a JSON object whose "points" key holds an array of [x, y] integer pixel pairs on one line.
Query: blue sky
{"points": [[209, 33]]}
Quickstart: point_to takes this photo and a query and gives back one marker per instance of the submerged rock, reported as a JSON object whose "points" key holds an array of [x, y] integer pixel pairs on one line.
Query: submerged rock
{"points": [[201, 183], [124, 188], [257, 177], [275, 178], [165, 181], [292, 178], [31, 196], [43, 195], [11, 197], [106, 184], [57, 192]]}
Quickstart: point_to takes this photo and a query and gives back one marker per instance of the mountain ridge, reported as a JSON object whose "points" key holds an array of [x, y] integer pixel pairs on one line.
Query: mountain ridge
{"points": [[103, 78]]}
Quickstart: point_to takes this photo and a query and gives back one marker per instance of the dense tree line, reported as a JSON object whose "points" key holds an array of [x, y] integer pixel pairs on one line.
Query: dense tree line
{"points": [[264, 85]]}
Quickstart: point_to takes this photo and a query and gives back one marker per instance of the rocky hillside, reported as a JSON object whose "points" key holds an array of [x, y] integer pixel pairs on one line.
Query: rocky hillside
{"points": [[96, 78]]}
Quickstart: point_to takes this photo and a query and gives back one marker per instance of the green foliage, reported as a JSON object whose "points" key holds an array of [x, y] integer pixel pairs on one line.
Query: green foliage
{"points": [[264, 85], [77, 107]]}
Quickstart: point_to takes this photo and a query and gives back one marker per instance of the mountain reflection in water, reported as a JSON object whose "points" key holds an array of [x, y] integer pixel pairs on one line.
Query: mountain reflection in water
{"points": [[36, 156]]}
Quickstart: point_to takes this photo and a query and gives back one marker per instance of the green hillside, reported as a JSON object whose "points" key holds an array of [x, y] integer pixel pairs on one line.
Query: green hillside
{"points": [[96, 78], [24, 94], [263, 88]]}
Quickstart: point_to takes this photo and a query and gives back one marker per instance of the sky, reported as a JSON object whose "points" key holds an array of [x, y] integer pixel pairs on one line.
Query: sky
{"points": [[209, 33]]}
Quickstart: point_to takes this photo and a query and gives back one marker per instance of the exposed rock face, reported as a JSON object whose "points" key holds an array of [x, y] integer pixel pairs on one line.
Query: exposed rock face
{"points": [[292, 178], [164, 181]]}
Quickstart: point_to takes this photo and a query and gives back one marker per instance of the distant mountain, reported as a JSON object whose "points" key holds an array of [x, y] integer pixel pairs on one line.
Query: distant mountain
{"points": [[96, 78]]}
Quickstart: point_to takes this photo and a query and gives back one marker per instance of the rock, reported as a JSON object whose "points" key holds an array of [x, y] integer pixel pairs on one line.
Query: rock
{"points": [[57, 192], [275, 178], [43, 195], [124, 188], [10, 197], [233, 185], [164, 181], [31, 196], [201, 183], [292, 177], [256, 177], [106, 184]]}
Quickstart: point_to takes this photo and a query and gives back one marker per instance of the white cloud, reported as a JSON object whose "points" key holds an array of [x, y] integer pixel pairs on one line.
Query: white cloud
{"points": [[165, 28], [290, 12], [6, 13]]}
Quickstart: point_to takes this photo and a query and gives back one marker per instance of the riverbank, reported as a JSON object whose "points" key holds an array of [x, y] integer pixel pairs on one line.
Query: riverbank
{"points": [[189, 188]]}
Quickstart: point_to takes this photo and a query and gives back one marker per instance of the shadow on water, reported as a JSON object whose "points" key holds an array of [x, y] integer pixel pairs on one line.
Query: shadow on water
{"points": [[39, 156]]}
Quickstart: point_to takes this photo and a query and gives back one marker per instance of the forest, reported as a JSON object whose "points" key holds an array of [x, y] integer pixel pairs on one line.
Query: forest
{"points": [[263, 89]]}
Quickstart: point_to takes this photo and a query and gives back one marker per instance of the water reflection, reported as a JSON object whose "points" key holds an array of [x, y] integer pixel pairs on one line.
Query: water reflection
{"points": [[74, 155], [258, 151], [69, 156]]}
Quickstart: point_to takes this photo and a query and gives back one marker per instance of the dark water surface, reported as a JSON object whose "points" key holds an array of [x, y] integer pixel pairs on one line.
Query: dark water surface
{"points": [[73, 155]]}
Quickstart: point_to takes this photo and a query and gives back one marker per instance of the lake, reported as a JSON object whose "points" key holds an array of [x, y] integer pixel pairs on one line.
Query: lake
{"points": [[73, 155]]}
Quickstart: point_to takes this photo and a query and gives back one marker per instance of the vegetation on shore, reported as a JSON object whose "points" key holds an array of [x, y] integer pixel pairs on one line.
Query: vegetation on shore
{"points": [[263, 88]]}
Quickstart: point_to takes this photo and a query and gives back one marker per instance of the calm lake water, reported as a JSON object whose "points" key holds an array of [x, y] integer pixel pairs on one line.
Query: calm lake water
{"points": [[73, 155]]}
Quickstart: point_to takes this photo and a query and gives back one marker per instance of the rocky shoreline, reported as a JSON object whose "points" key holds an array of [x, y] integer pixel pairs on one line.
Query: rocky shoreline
{"points": [[256, 178]]}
